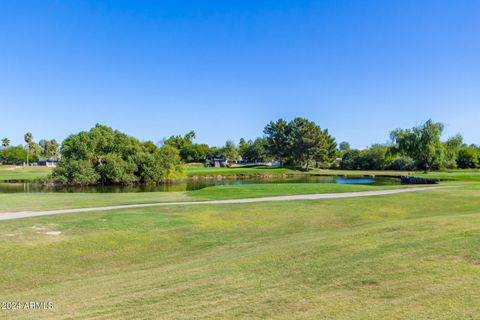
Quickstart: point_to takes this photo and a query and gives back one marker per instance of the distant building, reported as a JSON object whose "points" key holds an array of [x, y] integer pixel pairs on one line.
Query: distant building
{"points": [[218, 162], [48, 162], [260, 163]]}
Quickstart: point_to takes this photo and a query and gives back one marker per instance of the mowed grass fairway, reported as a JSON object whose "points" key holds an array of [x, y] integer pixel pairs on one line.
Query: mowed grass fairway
{"points": [[405, 256], [23, 173], [50, 200]]}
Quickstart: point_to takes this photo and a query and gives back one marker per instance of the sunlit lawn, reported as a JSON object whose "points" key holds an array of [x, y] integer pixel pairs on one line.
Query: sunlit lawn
{"points": [[23, 173], [405, 256], [49, 200]]}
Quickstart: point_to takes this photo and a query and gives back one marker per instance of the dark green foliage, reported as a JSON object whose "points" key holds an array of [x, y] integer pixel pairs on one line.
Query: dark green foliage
{"points": [[31, 153], [150, 146], [189, 151], [194, 152], [377, 157], [350, 160], [452, 148], [5, 143], [106, 156], [243, 146], [412, 149], [299, 142], [256, 151], [344, 146], [75, 171], [16, 155], [277, 135], [228, 151], [403, 163], [307, 142], [421, 143], [468, 158], [179, 142]]}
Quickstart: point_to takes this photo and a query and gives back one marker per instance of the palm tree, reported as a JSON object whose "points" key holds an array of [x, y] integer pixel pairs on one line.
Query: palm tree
{"points": [[5, 142], [53, 148], [28, 139]]}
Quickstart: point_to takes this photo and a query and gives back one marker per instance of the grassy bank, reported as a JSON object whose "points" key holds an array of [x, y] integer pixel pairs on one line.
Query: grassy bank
{"points": [[45, 201], [453, 175], [406, 256], [199, 170], [16, 173]]}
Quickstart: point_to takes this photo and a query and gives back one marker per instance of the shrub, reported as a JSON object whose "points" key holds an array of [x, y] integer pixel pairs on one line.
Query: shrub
{"points": [[106, 156]]}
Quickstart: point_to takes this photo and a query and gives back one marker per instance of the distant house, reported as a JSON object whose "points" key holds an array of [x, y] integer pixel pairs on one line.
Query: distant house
{"points": [[48, 162], [260, 163], [218, 162]]}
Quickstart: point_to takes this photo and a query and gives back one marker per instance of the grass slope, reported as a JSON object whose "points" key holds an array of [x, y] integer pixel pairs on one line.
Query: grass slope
{"points": [[240, 170], [406, 256], [23, 173], [44, 201], [453, 175]]}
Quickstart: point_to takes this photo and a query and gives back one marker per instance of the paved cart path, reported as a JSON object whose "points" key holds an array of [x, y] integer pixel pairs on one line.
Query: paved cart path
{"points": [[28, 214]]}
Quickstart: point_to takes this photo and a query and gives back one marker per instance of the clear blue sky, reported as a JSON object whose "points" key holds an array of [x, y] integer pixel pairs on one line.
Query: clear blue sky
{"points": [[225, 68]]}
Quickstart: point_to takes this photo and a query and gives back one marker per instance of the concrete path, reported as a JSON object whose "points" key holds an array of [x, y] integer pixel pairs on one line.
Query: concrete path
{"points": [[19, 215]]}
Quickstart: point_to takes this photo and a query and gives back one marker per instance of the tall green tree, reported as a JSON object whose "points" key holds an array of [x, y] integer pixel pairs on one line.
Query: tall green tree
{"points": [[452, 147], [277, 138], [307, 142], [106, 156], [344, 146], [188, 150], [327, 150], [468, 158], [194, 152], [14, 155], [179, 142], [5, 143], [48, 148], [421, 143], [52, 148], [243, 146], [256, 151], [229, 151], [28, 140]]}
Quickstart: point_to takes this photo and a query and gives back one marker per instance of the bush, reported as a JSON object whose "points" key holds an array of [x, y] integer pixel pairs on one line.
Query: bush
{"points": [[16, 155], [105, 156], [468, 158], [403, 164]]}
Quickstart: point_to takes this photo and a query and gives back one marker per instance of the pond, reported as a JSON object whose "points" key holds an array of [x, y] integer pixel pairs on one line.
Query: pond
{"points": [[188, 185]]}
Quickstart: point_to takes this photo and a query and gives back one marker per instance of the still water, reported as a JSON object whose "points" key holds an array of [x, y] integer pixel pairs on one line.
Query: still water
{"points": [[187, 185]]}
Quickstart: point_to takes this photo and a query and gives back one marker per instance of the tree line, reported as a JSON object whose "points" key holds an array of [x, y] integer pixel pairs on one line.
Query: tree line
{"points": [[31, 152], [107, 156], [301, 142], [417, 148], [298, 142]]}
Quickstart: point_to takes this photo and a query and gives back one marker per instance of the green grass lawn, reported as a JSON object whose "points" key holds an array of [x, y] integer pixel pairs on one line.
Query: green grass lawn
{"points": [[404, 256], [198, 170], [240, 170], [44, 201], [23, 173], [448, 175], [453, 175]]}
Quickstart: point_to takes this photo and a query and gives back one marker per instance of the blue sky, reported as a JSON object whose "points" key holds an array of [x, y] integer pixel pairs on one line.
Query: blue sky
{"points": [[225, 68]]}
